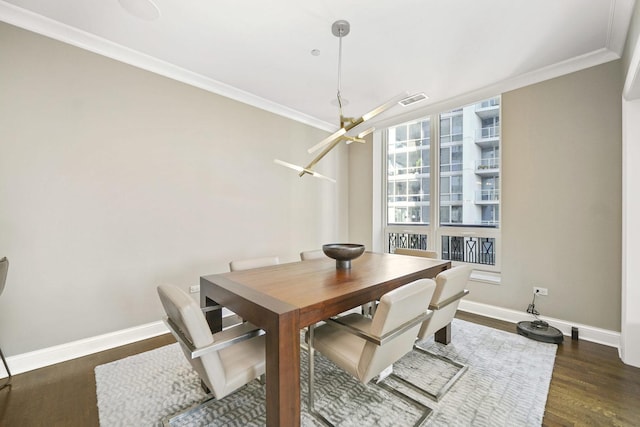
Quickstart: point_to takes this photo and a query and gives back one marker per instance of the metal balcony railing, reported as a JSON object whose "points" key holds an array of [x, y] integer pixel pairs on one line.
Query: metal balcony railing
{"points": [[471, 249], [475, 250], [406, 240]]}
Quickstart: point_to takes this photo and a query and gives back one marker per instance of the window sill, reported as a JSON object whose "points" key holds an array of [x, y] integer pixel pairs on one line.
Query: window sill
{"points": [[486, 277]]}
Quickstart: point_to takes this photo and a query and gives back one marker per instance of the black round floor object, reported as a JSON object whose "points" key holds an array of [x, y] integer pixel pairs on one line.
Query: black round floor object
{"points": [[540, 331]]}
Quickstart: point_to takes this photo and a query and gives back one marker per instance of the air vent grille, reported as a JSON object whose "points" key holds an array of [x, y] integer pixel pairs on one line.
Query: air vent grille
{"points": [[413, 99]]}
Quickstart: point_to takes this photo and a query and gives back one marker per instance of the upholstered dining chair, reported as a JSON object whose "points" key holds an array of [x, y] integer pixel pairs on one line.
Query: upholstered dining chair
{"points": [[4, 268], [246, 264], [450, 289], [315, 254], [416, 252], [367, 347], [370, 308], [224, 361]]}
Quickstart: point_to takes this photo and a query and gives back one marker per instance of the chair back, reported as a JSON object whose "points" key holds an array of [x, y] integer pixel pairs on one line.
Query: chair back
{"points": [[396, 308], [416, 252], [187, 316], [246, 264], [4, 267], [449, 283], [307, 255]]}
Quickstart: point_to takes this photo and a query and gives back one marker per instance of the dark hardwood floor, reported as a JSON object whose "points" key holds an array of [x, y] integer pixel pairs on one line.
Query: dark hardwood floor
{"points": [[590, 386]]}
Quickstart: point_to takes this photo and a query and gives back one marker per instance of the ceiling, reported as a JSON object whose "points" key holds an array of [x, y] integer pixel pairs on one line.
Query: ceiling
{"points": [[259, 52]]}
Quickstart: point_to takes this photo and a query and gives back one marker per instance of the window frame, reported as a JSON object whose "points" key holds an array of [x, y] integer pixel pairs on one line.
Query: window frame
{"points": [[433, 231]]}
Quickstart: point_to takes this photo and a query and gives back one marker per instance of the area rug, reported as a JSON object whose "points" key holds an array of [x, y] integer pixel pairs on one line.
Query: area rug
{"points": [[506, 384]]}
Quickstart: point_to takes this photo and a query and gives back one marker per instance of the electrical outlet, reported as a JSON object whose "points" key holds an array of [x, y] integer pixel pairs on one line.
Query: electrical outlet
{"points": [[540, 291], [194, 289]]}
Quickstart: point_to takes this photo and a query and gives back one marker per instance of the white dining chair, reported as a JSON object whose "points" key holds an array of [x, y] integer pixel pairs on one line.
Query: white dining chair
{"points": [[315, 254], [367, 347], [249, 263], [450, 289], [224, 361], [416, 252]]}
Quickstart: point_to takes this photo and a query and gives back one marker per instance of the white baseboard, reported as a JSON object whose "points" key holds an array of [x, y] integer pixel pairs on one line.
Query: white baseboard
{"points": [[61, 353], [586, 332], [72, 350]]}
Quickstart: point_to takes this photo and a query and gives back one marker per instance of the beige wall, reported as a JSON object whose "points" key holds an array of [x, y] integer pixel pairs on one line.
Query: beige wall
{"points": [[360, 193], [561, 198], [561, 207], [113, 180]]}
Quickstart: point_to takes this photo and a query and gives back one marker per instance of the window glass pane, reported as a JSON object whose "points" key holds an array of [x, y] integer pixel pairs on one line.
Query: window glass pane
{"points": [[426, 128], [445, 159], [414, 131], [408, 173], [445, 126], [470, 165], [444, 215]]}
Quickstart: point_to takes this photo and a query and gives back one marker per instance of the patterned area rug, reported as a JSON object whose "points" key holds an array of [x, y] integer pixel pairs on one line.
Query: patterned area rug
{"points": [[506, 385]]}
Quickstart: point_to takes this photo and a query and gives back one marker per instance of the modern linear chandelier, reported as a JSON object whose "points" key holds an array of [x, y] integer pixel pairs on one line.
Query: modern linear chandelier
{"points": [[340, 29]]}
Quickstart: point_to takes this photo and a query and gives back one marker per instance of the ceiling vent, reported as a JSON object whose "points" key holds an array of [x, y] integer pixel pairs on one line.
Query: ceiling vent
{"points": [[413, 99]]}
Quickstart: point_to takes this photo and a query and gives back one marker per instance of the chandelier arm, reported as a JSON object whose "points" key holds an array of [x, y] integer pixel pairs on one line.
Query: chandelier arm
{"points": [[303, 170], [320, 155], [327, 140]]}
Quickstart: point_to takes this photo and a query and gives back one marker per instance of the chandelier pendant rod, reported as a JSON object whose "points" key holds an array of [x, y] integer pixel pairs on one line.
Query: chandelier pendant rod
{"points": [[340, 73]]}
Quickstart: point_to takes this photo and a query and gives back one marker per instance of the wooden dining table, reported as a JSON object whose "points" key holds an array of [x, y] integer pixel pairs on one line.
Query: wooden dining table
{"points": [[284, 298]]}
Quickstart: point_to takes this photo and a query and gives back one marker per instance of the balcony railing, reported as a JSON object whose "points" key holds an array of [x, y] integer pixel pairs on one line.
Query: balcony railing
{"points": [[471, 249], [475, 250], [485, 164], [493, 102], [488, 132], [411, 170], [451, 197], [488, 195], [407, 240]]}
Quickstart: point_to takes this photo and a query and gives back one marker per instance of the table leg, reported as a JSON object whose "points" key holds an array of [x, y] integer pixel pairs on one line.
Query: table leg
{"points": [[214, 317], [283, 372], [443, 336]]}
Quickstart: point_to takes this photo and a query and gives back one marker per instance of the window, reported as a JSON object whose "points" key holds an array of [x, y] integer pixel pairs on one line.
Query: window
{"points": [[462, 221], [408, 169]]}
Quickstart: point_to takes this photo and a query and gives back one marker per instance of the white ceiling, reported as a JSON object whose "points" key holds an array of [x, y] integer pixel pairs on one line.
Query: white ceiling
{"points": [[259, 51]]}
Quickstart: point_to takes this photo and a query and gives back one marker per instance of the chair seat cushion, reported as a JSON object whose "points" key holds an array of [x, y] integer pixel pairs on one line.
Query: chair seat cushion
{"points": [[343, 348]]}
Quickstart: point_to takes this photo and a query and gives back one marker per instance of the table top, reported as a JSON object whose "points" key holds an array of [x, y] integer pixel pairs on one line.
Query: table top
{"points": [[317, 289]]}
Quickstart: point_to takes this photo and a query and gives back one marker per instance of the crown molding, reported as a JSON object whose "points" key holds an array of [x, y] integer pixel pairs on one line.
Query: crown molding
{"points": [[619, 19], [39, 24], [569, 66]]}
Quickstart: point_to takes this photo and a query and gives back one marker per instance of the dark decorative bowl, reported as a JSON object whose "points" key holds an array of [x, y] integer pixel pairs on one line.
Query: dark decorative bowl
{"points": [[343, 253]]}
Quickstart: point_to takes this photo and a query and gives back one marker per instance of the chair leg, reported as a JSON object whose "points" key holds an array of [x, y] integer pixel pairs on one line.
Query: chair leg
{"points": [[426, 411], [166, 422], [6, 366], [445, 388], [311, 382]]}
